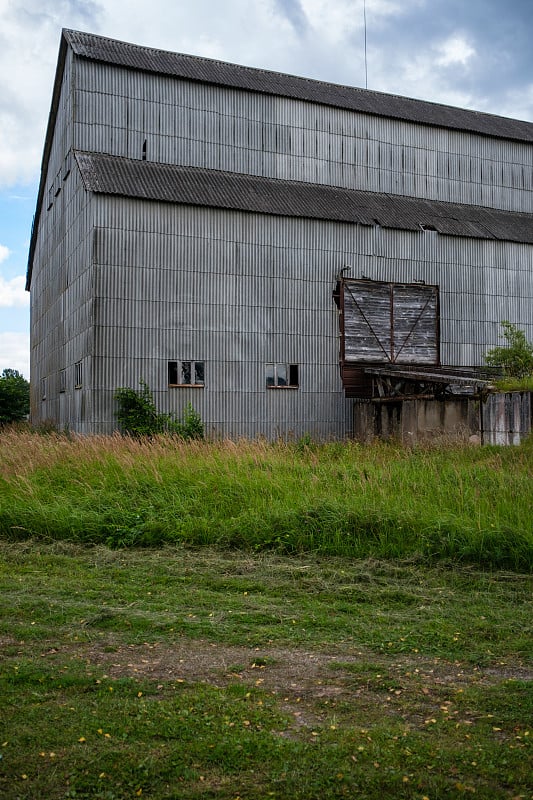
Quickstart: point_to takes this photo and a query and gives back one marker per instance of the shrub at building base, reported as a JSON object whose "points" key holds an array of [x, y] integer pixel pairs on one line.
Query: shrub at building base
{"points": [[137, 416], [516, 357]]}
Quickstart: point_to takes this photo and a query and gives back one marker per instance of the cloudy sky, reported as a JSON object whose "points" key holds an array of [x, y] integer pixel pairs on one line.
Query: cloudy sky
{"points": [[470, 53]]}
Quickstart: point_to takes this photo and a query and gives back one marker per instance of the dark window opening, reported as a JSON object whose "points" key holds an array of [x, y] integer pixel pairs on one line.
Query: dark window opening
{"points": [[67, 166], [337, 294], [282, 376], [78, 375], [144, 150], [293, 375], [186, 373]]}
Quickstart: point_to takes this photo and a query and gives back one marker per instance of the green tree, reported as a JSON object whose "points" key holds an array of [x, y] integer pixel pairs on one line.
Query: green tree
{"points": [[14, 396], [515, 357]]}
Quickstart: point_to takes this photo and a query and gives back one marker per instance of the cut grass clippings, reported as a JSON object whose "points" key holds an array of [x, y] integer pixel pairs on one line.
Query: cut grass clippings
{"points": [[177, 673], [464, 503]]}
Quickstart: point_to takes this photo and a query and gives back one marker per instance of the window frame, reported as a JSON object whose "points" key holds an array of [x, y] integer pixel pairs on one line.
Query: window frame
{"points": [[195, 367], [291, 371], [78, 374]]}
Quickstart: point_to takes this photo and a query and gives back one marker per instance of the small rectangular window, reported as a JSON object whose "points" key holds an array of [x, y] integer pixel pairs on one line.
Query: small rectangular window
{"points": [[67, 165], [186, 373], [62, 380], [293, 375], [43, 388], [282, 376], [78, 375]]}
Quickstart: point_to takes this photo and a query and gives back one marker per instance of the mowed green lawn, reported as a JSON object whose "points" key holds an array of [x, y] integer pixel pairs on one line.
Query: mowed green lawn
{"points": [[174, 672]]}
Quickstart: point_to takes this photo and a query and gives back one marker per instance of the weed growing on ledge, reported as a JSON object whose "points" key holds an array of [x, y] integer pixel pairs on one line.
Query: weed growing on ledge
{"points": [[515, 357]]}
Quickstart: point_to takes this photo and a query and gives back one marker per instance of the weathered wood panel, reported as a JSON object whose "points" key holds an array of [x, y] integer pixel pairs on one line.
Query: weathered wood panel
{"points": [[389, 323]]}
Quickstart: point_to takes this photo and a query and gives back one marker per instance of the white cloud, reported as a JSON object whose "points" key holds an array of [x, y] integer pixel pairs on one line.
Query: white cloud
{"points": [[12, 292], [29, 40], [15, 352], [454, 50], [434, 64], [4, 252], [335, 20]]}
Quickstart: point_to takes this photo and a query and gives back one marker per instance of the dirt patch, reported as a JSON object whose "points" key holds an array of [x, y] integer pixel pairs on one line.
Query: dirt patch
{"points": [[289, 671], [296, 675]]}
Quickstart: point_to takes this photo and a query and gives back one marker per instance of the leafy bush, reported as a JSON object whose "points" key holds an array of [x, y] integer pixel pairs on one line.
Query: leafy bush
{"points": [[137, 415], [516, 357], [191, 425], [14, 397]]}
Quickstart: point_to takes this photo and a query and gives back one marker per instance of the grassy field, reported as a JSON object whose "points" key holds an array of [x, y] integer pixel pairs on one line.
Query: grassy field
{"points": [[249, 621], [179, 673], [469, 504]]}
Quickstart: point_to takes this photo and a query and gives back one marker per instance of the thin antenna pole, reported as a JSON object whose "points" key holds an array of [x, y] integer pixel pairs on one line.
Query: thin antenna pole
{"points": [[366, 62]]}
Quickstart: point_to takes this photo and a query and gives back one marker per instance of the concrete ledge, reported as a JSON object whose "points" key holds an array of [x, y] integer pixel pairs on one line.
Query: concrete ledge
{"points": [[499, 418]]}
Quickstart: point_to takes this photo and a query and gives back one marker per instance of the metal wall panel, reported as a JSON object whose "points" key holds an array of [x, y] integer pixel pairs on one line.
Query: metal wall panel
{"points": [[221, 128], [155, 282], [240, 290]]}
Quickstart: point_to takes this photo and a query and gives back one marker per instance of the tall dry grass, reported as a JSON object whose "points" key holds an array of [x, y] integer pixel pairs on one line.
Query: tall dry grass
{"points": [[457, 502]]}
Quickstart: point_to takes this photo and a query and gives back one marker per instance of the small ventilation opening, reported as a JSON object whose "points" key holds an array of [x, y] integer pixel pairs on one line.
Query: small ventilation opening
{"points": [[144, 151]]}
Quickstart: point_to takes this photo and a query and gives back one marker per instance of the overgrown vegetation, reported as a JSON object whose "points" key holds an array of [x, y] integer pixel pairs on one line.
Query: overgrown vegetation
{"points": [[515, 358], [137, 416], [468, 504], [14, 397], [187, 674]]}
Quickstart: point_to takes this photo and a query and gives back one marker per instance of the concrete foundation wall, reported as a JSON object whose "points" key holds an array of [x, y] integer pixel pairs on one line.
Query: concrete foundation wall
{"points": [[507, 417], [502, 418]]}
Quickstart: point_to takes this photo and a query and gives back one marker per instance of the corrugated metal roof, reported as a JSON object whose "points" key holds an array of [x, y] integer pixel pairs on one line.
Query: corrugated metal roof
{"points": [[195, 68], [148, 180]]}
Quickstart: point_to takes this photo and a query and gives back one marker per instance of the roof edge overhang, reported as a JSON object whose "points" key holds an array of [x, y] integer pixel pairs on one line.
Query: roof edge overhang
{"points": [[52, 116], [208, 188], [366, 101]]}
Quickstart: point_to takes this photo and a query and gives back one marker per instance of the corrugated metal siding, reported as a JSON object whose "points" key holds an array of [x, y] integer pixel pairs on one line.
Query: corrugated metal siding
{"points": [[62, 307], [240, 290], [194, 124], [156, 63], [201, 287]]}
